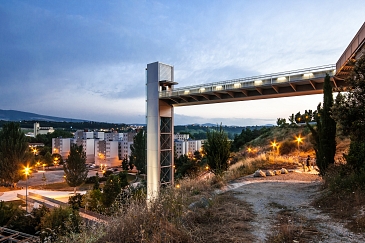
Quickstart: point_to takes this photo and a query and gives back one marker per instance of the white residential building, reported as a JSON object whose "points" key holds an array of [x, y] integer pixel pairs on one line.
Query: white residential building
{"points": [[106, 153], [181, 137], [111, 136], [187, 147], [99, 135], [61, 146]]}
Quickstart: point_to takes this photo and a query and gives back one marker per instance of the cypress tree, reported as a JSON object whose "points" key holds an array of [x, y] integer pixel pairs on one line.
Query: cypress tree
{"points": [[324, 136], [328, 138]]}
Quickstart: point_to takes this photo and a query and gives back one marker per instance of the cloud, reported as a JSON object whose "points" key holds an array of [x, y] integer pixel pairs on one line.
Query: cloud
{"points": [[88, 59]]}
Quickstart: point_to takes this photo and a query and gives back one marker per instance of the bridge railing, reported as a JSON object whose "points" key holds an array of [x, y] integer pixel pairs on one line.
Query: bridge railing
{"points": [[255, 81]]}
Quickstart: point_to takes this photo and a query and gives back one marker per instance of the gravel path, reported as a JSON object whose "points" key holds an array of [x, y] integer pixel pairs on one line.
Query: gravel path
{"points": [[290, 194]]}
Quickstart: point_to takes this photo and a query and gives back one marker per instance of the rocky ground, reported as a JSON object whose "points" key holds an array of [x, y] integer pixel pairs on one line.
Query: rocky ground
{"points": [[282, 208]]}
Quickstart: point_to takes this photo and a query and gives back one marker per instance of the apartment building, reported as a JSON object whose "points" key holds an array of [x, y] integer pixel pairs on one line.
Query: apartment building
{"points": [[61, 146], [100, 147], [106, 153], [185, 145]]}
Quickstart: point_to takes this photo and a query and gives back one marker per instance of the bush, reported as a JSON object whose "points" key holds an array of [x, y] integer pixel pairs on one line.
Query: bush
{"points": [[75, 201], [60, 221], [287, 147], [90, 180], [6, 212], [344, 178]]}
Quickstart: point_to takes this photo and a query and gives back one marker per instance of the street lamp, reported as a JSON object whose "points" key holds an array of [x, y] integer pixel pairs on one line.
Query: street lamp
{"points": [[299, 140], [38, 164], [26, 172], [55, 162], [274, 145]]}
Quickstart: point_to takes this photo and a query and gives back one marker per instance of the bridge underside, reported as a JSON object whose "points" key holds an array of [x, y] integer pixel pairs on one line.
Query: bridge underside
{"points": [[353, 52]]}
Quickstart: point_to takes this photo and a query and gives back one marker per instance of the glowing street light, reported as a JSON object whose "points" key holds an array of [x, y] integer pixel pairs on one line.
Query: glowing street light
{"points": [[26, 172], [299, 140], [38, 164], [274, 145], [55, 161]]}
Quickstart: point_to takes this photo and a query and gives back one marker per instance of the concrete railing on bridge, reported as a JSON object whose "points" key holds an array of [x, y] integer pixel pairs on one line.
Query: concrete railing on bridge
{"points": [[255, 81]]}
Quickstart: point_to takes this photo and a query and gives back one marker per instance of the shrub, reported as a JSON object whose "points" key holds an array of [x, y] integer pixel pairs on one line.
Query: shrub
{"points": [[287, 147], [75, 201], [344, 178], [60, 221]]}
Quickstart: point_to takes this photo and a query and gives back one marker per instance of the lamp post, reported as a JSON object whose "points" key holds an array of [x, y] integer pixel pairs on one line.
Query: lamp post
{"points": [[26, 172], [274, 145], [298, 139]]}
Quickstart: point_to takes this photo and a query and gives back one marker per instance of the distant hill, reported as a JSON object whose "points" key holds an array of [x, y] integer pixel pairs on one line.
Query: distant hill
{"points": [[12, 115]]}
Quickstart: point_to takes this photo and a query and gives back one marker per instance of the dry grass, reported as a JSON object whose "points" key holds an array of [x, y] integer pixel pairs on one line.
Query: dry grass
{"points": [[347, 206], [227, 220], [264, 162], [289, 227], [170, 220]]}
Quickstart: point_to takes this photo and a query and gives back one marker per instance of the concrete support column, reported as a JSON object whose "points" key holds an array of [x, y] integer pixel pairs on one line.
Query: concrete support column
{"points": [[158, 75]]}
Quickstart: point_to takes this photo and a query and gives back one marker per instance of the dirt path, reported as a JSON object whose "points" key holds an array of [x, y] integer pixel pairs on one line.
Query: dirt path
{"points": [[282, 205]]}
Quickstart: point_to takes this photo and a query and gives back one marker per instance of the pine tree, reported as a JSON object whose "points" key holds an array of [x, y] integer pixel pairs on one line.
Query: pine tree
{"points": [[75, 167], [13, 153], [111, 190], [138, 152], [217, 150]]}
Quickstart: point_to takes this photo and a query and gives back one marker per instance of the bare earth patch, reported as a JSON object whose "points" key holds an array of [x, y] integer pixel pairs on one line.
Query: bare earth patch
{"points": [[283, 212]]}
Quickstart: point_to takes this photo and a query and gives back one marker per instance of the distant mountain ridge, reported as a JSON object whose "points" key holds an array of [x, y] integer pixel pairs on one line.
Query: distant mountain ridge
{"points": [[12, 115]]}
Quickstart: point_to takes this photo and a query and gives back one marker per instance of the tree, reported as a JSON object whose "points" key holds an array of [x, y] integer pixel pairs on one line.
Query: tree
{"points": [[349, 112], [61, 220], [292, 120], [75, 167], [138, 152], [281, 122], [125, 164], [96, 185], [324, 135], [217, 150], [123, 179], [92, 200], [111, 190], [13, 153], [185, 166], [47, 159]]}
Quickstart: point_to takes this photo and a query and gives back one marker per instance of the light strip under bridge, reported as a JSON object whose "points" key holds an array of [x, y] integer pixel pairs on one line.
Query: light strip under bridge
{"points": [[285, 84]]}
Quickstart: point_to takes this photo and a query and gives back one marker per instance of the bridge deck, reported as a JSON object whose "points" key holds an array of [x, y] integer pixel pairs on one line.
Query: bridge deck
{"points": [[284, 84]]}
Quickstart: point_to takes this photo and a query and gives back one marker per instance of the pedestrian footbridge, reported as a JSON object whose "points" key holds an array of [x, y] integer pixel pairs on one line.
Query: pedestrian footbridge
{"points": [[291, 83]]}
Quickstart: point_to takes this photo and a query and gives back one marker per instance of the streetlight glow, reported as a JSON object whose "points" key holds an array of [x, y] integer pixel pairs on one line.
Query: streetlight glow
{"points": [[26, 172], [299, 140]]}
